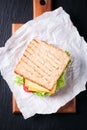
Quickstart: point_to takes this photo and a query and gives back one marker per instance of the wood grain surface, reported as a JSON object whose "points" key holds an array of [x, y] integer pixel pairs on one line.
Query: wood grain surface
{"points": [[41, 6]]}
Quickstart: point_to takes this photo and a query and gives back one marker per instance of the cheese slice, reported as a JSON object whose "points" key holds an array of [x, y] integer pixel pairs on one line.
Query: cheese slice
{"points": [[37, 88]]}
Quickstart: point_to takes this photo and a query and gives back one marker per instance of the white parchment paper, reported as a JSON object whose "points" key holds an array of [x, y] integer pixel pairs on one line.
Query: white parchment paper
{"points": [[56, 28]]}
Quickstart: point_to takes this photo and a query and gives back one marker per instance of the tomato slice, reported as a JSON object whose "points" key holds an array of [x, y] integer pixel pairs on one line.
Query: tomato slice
{"points": [[26, 89]]}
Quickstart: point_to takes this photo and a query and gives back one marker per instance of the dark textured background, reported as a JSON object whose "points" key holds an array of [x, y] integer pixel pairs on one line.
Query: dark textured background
{"points": [[15, 11]]}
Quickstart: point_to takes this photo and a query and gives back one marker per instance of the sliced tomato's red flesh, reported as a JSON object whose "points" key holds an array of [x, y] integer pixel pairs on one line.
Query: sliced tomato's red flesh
{"points": [[26, 89]]}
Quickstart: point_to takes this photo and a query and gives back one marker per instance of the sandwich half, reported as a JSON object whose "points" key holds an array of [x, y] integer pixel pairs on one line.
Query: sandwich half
{"points": [[42, 67]]}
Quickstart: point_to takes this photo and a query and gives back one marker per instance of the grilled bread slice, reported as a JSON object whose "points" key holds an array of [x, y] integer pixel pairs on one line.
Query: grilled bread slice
{"points": [[42, 63]]}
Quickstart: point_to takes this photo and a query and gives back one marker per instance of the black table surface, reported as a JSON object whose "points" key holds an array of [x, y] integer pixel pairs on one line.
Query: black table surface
{"points": [[21, 11]]}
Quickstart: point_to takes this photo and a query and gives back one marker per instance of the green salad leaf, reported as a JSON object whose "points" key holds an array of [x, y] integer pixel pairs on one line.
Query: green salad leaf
{"points": [[19, 80], [41, 94], [61, 81], [67, 52]]}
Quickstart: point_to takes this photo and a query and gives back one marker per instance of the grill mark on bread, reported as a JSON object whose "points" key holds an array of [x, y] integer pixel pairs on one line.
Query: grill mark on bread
{"points": [[36, 64], [57, 60], [54, 64], [35, 67], [53, 48], [29, 63], [22, 70], [41, 57], [27, 74]]}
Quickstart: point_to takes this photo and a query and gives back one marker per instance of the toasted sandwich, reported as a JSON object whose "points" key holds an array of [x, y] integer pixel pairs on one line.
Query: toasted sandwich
{"points": [[42, 68]]}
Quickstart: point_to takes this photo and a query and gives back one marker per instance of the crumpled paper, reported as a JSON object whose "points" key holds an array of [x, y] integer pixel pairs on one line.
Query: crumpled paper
{"points": [[56, 28]]}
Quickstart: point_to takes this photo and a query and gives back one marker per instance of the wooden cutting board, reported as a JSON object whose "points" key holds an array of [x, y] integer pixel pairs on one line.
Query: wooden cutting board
{"points": [[39, 7]]}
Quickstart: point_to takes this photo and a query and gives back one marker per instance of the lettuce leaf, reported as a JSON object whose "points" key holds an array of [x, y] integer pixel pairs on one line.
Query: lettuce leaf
{"points": [[19, 80], [61, 81], [67, 52], [41, 94]]}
